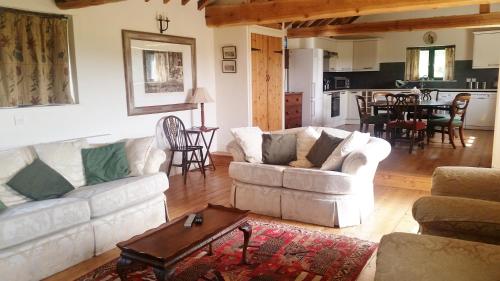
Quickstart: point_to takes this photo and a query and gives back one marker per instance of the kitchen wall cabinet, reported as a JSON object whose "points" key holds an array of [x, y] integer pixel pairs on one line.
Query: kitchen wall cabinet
{"points": [[355, 55], [485, 50], [267, 82]]}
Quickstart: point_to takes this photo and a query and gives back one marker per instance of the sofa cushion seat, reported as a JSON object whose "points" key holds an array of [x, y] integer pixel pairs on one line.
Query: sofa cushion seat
{"points": [[106, 198], [260, 174], [315, 180], [28, 221]]}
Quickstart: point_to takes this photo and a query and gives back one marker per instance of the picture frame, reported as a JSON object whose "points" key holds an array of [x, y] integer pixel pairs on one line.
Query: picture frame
{"points": [[228, 66], [229, 53], [160, 72]]}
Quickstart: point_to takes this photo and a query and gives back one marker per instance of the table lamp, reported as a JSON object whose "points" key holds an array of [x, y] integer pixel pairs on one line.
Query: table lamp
{"points": [[201, 96]]}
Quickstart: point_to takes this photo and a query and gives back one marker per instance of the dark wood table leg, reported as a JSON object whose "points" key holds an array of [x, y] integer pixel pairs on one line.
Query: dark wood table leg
{"points": [[163, 274], [208, 146], [210, 250], [122, 266], [247, 232]]}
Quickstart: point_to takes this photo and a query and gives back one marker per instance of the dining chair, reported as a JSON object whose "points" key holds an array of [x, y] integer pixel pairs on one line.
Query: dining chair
{"points": [[449, 123], [407, 124], [175, 133], [366, 119]]}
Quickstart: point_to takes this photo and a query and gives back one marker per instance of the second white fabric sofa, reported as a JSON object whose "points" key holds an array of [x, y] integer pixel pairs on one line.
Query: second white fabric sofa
{"points": [[330, 198]]}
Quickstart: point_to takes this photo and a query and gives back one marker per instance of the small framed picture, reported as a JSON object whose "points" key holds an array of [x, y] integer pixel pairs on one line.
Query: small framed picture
{"points": [[228, 66], [229, 52]]}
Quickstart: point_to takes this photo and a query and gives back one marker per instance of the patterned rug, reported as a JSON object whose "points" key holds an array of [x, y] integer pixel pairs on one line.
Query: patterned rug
{"points": [[276, 252]]}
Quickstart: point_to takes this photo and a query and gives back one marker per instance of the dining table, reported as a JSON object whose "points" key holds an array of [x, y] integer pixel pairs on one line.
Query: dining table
{"points": [[444, 105]]}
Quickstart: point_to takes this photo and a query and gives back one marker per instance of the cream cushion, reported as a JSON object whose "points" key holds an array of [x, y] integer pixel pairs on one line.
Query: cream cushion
{"points": [[305, 140], [137, 154], [254, 173], [65, 158], [11, 162], [250, 140], [108, 197], [356, 140], [26, 222], [313, 180]]}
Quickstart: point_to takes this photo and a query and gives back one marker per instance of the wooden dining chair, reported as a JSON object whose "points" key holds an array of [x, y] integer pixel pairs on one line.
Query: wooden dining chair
{"points": [[366, 119], [175, 133], [407, 124], [449, 123]]}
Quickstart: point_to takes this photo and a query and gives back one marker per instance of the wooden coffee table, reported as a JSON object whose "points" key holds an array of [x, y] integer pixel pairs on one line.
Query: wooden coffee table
{"points": [[164, 246]]}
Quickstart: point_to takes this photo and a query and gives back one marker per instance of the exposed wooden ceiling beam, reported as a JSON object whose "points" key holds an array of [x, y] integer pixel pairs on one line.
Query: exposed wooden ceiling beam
{"points": [[74, 4], [288, 25], [484, 8], [184, 2], [462, 21], [202, 4], [261, 12]]}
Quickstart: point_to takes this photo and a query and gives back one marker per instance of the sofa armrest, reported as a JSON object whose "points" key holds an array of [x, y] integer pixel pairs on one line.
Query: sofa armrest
{"points": [[410, 257], [365, 161], [235, 149], [477, 183], [155, 159], [463, 218]]}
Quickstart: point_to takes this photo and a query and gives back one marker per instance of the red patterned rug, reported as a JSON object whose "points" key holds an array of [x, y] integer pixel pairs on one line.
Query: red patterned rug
{"points": [[276, 252]]}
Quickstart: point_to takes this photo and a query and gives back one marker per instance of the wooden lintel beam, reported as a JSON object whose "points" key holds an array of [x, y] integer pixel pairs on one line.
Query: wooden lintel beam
{"points": [[202, 4], [462, 21], [74, 4], [261, 12], [484, 8]]}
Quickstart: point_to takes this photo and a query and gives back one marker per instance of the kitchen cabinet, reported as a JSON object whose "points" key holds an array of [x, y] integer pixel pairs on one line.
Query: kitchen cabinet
{"points": [[352, 107], [365, 55], [485, 50], [481, 111], [355, 55], [340, 119]]}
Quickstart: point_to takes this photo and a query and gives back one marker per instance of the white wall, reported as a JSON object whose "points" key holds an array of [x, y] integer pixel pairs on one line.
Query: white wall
{"points": [[101, 82], [234, 90]]}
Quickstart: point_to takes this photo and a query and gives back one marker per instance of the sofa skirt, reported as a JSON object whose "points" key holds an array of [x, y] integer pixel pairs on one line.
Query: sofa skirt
{"points": [[304, 206], [40, 258]]}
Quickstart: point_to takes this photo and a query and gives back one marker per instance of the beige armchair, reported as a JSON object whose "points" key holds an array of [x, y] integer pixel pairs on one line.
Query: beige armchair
{"points": [[465, 205]]}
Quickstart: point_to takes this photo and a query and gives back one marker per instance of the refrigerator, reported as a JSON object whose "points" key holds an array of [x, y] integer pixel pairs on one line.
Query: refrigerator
{"points": [[305, 74]]}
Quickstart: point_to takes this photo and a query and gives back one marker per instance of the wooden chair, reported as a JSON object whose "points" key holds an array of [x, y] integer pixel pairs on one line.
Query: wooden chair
{"points": [[366, 119], [175, 133], [455, 120], [406, 125]]}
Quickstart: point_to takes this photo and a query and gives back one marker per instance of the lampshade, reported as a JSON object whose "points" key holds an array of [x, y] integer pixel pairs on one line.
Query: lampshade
{"points": [[201, 96]]}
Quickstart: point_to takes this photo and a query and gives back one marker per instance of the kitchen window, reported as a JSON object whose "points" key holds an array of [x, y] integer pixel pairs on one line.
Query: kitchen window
{"points": [[430, 63]]}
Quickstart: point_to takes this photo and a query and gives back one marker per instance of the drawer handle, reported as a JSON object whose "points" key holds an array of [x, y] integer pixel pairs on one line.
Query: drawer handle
{"points": [[296, 99]]}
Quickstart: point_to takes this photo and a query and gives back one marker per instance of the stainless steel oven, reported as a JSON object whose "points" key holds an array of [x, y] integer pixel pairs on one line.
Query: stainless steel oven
{"points": [[341, 83]]}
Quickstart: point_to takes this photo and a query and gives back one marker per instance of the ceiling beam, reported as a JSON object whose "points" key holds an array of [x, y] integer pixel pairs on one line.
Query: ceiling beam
{"points": [[484, 8], [184, 2], [261, 12], [462, 21], [202, 4], [74, 4]]}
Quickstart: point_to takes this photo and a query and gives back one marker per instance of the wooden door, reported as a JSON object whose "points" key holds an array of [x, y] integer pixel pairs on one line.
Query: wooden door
{"points": [[275, 83], [259, 82]]}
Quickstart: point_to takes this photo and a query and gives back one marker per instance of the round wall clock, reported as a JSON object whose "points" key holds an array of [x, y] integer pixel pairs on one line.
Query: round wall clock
{"points": [[430, 37]]}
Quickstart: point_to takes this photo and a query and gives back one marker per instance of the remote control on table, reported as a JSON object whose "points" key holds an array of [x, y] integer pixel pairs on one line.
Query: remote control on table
{"points": [[189, 221], [198, 219]]}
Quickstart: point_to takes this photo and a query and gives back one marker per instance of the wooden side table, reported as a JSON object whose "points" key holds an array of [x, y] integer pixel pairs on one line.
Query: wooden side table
{"points": [[199, 135]]}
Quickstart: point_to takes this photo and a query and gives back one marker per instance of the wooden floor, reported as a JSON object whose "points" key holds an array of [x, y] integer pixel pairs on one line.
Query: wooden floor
{"points": [[392, 205], [404, 170]]}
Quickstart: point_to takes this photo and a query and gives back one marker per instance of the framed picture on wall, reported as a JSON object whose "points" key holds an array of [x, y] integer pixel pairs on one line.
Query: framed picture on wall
{"points": [[160, 72], [228, 66], [229, 52]]}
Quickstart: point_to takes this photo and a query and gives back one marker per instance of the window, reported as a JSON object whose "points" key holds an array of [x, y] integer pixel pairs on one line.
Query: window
{"points": [[35, 64], [430, 63]]}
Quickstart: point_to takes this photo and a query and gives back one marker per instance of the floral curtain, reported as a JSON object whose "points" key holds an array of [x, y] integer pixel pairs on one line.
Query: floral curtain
{"points": [[449, 72], [412, 62], [34, 59]]}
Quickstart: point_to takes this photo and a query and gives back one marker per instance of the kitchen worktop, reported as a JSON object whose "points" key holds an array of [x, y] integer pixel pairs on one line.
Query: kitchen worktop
{"points": [[441, 90]]}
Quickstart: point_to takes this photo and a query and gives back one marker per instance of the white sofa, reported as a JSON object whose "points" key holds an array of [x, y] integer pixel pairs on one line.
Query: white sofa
{"points": [[40, 238], [326, 198]]}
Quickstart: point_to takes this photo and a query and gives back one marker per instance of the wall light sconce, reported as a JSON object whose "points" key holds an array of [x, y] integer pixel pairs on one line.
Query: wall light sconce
{"points": [[163, 20]]}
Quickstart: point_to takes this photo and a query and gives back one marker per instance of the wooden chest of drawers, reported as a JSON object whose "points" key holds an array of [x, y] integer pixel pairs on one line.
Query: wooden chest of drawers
{"points": [[293, 110]]}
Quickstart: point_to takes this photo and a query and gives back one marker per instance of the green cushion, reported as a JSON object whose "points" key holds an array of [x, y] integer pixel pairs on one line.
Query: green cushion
{"points": [[106, 163], [2, 206], [445, 121], [279, 149], [322, 148], [38, 181]]}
